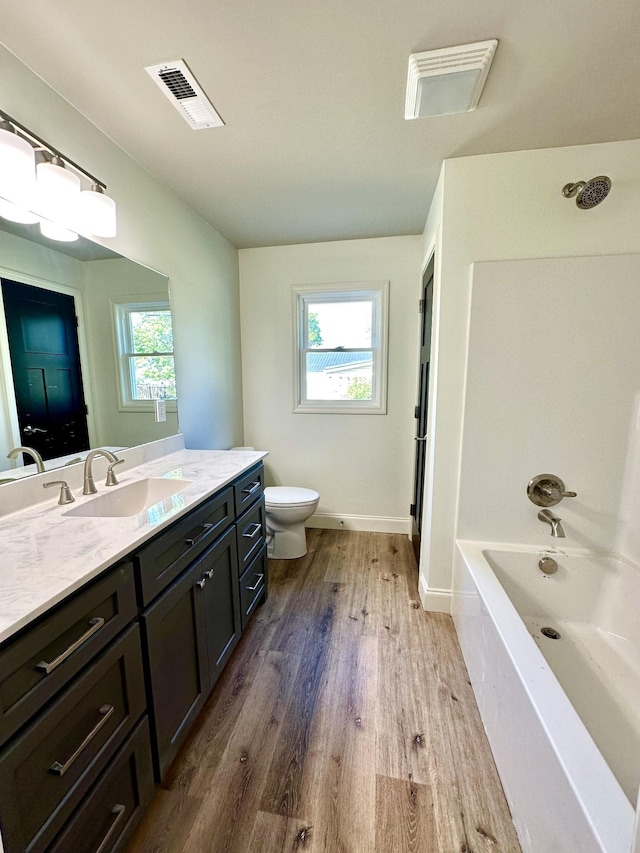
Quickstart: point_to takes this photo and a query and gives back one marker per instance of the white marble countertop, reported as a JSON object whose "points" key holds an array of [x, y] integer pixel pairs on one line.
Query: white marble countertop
{"points": [[45, 555]]}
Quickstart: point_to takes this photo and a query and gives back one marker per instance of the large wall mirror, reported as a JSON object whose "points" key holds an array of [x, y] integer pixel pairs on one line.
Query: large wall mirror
{"points": [[70, 384]]}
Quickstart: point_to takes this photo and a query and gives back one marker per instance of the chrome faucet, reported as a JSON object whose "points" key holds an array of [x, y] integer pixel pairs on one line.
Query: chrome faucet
{"points": [[12, 454], [89, 487], [556, 528]]}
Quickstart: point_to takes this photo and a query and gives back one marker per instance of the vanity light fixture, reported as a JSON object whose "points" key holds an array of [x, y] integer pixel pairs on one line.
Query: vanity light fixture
{"points": [[40, 184], [448, 80]]}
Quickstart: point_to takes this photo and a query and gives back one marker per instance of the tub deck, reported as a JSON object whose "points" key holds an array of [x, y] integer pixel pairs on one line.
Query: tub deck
{"points": [[561, 715], [598, 669]]}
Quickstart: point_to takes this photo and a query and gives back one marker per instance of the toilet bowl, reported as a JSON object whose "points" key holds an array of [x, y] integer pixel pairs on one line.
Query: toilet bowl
{"points": [[287, 509]]}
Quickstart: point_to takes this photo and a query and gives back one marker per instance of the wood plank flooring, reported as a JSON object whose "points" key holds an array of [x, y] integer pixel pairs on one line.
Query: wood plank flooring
{"points": [[343, 723]]}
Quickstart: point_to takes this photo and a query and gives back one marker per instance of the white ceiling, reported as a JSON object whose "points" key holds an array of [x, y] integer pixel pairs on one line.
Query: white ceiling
{"points": [[315, 145]]}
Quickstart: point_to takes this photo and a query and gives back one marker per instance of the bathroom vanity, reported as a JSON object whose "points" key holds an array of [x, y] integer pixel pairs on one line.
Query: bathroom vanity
{"points": [[107, 656]]}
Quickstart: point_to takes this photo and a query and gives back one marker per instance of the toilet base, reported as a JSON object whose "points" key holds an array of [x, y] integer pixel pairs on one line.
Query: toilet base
{"points": [[287, 544]]}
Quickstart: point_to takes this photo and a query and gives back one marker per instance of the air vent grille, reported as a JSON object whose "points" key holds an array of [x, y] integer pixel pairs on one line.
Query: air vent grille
{"points": [[182, 89], [177, 83]]}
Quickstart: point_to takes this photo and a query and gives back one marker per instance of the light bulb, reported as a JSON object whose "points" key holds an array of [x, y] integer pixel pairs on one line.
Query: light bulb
{"points": [[15, 213], [57, 232], [96, 213], [58, 191], [17, 164]]}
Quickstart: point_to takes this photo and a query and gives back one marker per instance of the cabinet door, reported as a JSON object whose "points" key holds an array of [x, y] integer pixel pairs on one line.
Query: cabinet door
{"points": [[113, 808], [248, 488], [176, 644], [36, 664], [47, 769], [219, 568]]}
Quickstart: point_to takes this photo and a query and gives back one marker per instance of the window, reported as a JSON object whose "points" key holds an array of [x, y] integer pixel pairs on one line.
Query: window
{"points": [[341, 348], [144, 337]]}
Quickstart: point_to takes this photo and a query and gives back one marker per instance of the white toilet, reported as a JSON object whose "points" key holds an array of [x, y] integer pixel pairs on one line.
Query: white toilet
{"points": [[287, 508]]}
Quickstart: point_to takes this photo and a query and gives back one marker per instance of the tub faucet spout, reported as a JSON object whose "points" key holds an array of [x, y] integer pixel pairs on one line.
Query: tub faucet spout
{"points": [[556, 528]]}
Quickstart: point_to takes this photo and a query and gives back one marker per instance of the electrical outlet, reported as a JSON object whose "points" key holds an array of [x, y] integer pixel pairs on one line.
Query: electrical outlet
{"points": [[161, 410]]}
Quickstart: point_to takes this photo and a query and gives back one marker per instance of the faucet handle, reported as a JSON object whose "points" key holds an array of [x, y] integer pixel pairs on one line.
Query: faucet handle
{"points": [[547, 490], [65, 492], [112, 480], [555, 494]]}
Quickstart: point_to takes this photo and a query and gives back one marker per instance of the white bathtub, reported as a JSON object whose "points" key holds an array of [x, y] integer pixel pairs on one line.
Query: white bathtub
{"points": [[562, 716]]}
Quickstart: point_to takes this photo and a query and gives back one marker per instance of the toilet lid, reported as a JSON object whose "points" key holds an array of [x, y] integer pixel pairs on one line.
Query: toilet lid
{"points": [[289, 496]]}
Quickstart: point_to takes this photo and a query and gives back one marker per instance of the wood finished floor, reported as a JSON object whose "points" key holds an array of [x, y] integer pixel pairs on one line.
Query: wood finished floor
{"points": [[343, 723]]}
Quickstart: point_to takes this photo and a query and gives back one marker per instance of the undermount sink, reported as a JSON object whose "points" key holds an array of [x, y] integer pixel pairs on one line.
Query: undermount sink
{"points": [[130, 499]]}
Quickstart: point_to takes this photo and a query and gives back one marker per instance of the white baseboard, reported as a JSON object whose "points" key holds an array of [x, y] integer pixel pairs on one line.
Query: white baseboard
{"points": [[371, 523], [437, 600]]}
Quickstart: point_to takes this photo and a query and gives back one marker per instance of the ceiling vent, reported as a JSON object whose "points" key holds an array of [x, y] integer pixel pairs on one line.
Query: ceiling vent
{"points": [[449, 80], [182, 89]]}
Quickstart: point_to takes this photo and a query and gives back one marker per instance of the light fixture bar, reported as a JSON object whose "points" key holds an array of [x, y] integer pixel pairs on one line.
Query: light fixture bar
{"points": [[42, 144], [49, 187]]}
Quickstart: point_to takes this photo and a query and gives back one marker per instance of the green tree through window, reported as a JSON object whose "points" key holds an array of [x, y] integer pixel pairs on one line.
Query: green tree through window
{"points": [[315, 335]]}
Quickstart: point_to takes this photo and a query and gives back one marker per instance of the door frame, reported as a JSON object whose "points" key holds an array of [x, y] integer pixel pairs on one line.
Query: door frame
{"points": [[431, 257], [6, 375], [421, 411]]}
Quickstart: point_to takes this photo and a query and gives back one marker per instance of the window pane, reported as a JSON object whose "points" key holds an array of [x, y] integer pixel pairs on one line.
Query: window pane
{"points": [[339, 324], [153, 378], [339, 375], [151, 331]]}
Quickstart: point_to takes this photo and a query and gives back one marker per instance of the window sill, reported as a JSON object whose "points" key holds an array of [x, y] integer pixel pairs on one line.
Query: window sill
{"points": [[146, 407], [355, 408]]}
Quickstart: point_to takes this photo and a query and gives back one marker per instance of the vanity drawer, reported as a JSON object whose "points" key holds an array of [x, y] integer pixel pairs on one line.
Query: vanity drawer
{"points": [[251, 531], [253, 585], [249, 488], [108, 815], [46, 655], [47, 770], [166, 556]]}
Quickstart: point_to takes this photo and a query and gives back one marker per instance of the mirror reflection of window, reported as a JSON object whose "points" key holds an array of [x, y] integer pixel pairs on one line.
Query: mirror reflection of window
{"points": [[144, 336]]}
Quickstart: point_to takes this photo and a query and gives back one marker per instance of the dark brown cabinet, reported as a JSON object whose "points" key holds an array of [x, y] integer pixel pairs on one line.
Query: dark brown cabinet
{"points": [[115, 804], [221, 600], [37, 663], [46, 771], [96, 697], [176, 650], [189, 633]]}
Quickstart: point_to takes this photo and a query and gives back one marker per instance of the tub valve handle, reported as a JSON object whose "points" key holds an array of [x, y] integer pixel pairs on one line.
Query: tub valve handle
{"points": [[547, 490], [556, 494]]}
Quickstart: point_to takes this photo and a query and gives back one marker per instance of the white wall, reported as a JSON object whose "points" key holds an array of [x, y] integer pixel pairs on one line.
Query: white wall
{"points": [[360, 464], [507, 206], [157, 229], [552, 387]]}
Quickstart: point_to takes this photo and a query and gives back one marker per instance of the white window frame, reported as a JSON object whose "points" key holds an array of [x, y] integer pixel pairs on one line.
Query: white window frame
{"points": [[123, 348], [377, 292]]}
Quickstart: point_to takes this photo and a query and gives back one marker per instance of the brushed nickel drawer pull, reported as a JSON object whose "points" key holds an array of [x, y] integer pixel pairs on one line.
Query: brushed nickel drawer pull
{"points": [[209, 573], [118, 811], [256, 529], [201, 583], [256, 584], [251, 488], [60, 769], [96, 623], [191, 542]]}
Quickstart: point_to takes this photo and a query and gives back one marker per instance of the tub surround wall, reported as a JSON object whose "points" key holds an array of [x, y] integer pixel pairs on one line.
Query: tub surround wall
{"points": [[551, 387], [495, 207], [360, 464]]}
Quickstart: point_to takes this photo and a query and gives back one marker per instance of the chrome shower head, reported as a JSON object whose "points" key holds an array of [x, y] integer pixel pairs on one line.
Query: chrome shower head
{"points": [[588, 193]]}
